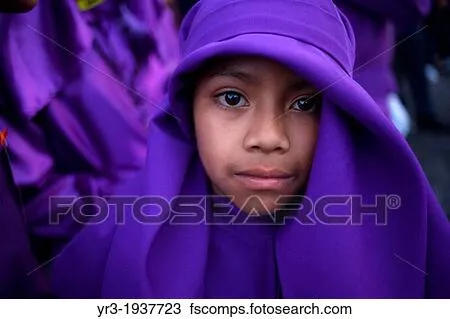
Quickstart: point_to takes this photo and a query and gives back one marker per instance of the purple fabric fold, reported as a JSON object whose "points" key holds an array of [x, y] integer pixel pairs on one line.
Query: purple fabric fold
{"points": [[20, 276], [36, 57]]}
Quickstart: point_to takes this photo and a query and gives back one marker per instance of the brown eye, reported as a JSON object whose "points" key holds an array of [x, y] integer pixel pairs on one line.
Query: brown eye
{"points": [[231, 99], [308, 104]]}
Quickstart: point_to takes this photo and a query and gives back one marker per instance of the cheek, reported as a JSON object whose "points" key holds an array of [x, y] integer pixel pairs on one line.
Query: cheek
{"points": [[303, 141], [215, 140]]}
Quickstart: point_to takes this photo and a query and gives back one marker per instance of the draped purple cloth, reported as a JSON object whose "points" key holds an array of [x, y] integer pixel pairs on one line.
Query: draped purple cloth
{"points": [[20, 276], [78, 89], [358, 153]]}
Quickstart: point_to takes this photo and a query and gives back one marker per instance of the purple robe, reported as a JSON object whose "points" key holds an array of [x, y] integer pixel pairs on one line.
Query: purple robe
{"points": [[78, 89], [242, 249], [20, 276], [374, 23], [359, 153]]}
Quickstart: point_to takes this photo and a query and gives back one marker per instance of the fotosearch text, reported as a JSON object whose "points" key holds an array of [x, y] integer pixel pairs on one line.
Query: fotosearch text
{"points": [[219, 210]]}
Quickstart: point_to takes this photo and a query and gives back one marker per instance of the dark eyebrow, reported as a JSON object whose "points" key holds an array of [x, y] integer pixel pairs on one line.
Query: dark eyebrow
{"points": [[240, 75], [300, 85], [229, 69], [297, 85]]}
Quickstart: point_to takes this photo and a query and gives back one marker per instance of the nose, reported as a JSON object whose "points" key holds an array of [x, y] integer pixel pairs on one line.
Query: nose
{"points": [[267, 133]]}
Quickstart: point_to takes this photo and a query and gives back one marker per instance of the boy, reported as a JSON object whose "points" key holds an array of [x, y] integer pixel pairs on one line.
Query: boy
{"points": [[263, 112]]}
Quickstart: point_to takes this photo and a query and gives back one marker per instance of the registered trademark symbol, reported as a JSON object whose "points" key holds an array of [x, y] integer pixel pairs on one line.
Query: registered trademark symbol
{"points": [[393, 202]]}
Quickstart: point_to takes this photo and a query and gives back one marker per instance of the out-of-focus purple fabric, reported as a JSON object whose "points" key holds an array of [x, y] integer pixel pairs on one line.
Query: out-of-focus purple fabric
{"points": [[20, 276], [401, 12], [375, 23], [78, 90]]}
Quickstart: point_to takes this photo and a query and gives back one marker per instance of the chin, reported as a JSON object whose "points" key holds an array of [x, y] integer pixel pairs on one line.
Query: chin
{"points": [[259, 204]]}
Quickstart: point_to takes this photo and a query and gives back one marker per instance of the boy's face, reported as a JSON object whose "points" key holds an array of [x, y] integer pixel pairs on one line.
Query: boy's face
{"points": [[256, 124]]}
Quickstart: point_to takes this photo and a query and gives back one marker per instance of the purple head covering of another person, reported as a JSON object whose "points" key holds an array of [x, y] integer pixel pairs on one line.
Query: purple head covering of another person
{"points": [[76, 103], [36, 57], [358, 153], [375, 23], [147, 30]]}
